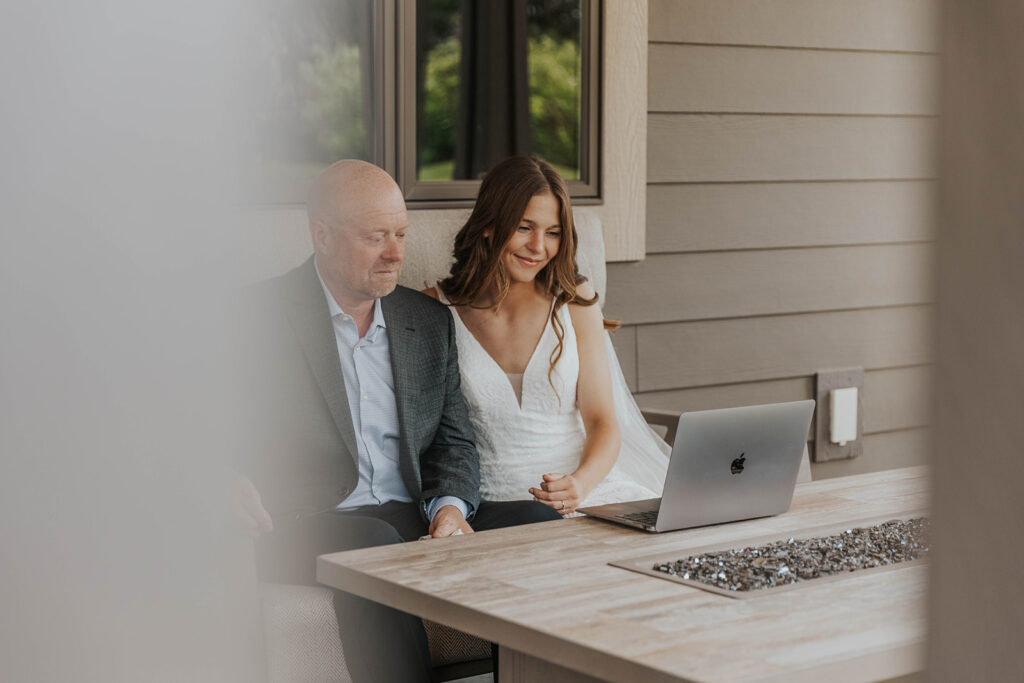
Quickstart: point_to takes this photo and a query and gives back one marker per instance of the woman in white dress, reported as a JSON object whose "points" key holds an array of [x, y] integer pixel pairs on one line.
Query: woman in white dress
{"points": [[552, 416]]}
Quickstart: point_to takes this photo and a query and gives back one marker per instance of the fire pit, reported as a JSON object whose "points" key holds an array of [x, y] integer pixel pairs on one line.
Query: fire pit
{"points": [[793, 560]]}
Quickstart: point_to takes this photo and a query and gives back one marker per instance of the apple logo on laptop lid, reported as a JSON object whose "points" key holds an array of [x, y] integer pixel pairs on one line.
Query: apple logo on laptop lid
{"points": [[737, 464]]}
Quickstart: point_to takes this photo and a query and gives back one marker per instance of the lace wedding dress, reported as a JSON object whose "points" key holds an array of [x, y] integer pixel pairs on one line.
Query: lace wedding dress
{"points": [[519, 441]]}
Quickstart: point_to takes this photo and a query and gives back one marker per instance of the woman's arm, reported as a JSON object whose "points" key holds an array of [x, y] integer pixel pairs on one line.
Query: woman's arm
{"points": [[597, 408]]}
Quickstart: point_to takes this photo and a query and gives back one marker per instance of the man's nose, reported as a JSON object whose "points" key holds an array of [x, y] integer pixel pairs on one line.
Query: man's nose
{"points": [[394, 249]]}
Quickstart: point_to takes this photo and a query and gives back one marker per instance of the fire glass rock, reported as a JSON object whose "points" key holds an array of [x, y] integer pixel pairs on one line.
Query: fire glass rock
{"points": [[794, 560]]}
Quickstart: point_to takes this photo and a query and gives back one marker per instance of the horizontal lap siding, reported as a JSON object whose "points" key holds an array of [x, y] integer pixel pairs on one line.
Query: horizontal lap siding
{"points": [[884, 451], [900, 398], [894, 398], [791, 184], [691, 354], [887, 25], [745, 147], [702, 78], [745, 283], [710, 217]]}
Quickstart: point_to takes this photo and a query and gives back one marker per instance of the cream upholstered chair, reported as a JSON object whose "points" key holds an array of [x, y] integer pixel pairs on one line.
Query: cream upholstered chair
{"points": [[300, 630]]}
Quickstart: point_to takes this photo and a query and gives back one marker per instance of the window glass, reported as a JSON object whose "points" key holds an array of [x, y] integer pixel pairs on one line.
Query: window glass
{"points": [[313, 76], [497, 78]]}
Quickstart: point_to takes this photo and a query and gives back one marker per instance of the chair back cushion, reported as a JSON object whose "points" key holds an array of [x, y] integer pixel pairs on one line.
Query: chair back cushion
{"points": [[428, 247]]}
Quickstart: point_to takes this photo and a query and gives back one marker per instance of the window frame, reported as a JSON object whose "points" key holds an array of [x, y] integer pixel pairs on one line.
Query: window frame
{"points": [[395, 145]]}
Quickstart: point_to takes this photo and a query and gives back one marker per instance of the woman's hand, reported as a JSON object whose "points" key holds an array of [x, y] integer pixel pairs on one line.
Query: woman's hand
{"points": [[562, 492]]}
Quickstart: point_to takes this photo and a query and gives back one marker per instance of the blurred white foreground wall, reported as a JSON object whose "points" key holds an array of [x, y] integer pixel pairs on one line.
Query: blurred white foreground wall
{"points": [[116, 137]]}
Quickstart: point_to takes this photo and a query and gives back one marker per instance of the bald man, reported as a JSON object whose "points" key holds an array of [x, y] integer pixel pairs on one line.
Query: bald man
{"points": [[365, 439]]}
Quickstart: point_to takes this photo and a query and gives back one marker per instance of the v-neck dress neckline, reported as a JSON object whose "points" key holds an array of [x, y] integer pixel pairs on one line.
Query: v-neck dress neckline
{"points": [[527, 371]]}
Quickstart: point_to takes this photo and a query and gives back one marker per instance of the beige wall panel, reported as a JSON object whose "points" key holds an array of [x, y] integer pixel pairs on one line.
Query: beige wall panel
{"points": [[670, 287], [691, 354], [729, 148], [758, 215], [729, 395], [702, 78], [885, 451], [897, 398], [900, 25], [894, 398], [624, 341]]}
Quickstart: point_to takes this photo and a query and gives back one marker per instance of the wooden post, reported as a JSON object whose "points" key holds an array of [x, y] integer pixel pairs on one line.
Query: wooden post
{"points": [[977, 590]]}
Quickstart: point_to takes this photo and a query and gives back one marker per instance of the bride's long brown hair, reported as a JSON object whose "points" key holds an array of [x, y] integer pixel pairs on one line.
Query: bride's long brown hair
{"points": [[504, 193]]}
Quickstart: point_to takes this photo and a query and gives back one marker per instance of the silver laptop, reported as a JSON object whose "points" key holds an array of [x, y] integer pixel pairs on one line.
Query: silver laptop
{"points": [[726, 465]]}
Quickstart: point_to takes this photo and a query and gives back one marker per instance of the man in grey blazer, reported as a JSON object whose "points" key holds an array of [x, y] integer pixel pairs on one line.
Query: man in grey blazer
{"points": [[364, 438]]}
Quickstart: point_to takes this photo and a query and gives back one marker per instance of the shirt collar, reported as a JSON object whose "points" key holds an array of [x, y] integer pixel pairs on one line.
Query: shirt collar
{"points": [[335, 309]]}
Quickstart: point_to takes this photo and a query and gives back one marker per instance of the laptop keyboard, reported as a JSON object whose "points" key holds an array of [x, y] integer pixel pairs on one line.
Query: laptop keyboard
{"points": [[647, 517]]}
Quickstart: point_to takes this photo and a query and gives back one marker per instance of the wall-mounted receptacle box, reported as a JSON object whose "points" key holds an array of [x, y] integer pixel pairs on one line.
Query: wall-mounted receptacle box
{"points": [[839, 436]]}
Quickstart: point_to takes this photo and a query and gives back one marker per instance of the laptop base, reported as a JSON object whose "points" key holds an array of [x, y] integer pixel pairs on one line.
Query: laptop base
{"points": [[640, 514]]}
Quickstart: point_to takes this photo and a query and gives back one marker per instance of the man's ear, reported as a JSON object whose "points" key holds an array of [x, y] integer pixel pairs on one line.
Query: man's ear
{"points": [[318, 231]]}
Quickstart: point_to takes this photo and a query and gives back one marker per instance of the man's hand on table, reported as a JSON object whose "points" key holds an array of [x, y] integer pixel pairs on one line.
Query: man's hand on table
{"points": [[247, 506], [449, 521]]}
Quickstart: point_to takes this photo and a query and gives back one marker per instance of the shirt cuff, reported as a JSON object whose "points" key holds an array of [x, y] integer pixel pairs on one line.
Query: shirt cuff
{"points": [[439, 502]]}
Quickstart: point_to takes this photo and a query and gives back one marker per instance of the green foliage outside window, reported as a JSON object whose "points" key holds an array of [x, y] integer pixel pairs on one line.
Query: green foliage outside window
{"points": [[331, 100], [555, 101], [554, 66], [440, 103]]}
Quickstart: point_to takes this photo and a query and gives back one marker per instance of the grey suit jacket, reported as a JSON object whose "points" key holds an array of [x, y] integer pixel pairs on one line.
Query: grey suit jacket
{"points": [[304, 460]]}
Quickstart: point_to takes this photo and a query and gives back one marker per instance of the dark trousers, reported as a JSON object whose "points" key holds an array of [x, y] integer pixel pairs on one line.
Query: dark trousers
{"points": [[381, 644]]}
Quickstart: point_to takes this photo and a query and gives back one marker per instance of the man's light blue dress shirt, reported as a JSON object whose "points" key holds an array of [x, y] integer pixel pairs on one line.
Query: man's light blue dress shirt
{"points": [[370, 387]]}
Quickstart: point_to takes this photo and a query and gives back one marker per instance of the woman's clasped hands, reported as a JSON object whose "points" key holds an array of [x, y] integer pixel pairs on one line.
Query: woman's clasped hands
{"points": [[562, 492]]}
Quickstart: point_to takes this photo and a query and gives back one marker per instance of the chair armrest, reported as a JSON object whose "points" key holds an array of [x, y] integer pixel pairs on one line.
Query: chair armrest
{"points": [[669, 419]]}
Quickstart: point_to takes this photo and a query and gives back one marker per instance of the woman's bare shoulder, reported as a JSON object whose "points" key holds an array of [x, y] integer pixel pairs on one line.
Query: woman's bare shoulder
{"points": [[431, 292], [585, 290]]}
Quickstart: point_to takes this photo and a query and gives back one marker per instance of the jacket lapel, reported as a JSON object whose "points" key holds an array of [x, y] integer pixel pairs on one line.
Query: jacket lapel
{"points": [[402, 342], [312, 322]]}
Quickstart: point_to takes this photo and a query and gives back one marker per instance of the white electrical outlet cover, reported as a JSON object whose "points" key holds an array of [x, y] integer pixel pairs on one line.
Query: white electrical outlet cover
{"points": [[843, 411]]}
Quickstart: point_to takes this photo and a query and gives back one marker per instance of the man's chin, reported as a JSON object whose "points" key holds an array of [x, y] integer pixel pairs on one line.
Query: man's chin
{"points": [[383, 289]]}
